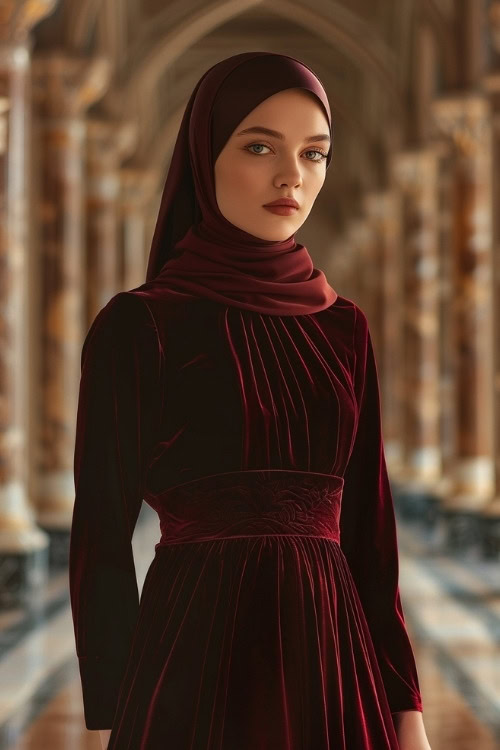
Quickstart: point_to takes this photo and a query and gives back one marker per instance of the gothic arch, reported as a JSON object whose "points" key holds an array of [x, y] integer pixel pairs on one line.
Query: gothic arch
{"points": [[353, 37]]}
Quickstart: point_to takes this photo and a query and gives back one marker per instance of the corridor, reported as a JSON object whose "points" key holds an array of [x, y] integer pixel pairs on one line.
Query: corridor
{"points": [[104, 173]]}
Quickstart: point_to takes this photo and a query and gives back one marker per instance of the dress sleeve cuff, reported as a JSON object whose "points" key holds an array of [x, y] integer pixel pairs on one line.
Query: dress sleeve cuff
{"points": [[101, 679], [414, 704]]}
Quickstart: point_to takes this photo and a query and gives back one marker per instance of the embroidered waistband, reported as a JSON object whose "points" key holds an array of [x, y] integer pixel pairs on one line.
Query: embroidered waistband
{"points": [[251, 503]]}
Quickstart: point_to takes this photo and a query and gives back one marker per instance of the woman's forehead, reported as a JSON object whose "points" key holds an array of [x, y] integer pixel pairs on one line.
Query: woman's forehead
{"points": [[270, 115]]}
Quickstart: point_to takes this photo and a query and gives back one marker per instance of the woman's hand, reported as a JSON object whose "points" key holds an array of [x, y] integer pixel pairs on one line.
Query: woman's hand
{"points": [[410, 730], [105, 735]]}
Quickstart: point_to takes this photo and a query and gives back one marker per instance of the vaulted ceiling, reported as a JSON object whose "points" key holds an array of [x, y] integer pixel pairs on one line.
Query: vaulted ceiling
{"points": [[379, 60]]}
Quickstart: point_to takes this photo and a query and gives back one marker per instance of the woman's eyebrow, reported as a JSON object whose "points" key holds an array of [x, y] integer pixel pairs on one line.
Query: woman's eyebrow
{"points": [[276, 134]]}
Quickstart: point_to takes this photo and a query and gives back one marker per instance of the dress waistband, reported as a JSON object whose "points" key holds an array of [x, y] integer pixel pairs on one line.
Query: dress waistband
{"points": [[251, 503]]}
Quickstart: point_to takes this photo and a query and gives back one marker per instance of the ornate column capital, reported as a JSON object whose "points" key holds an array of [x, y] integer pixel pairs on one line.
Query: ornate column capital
{"points": [[65, 85], [465, 119], [18, 17], [108, 144]]}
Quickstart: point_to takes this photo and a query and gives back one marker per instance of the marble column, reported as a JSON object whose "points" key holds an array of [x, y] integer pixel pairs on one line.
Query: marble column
{"points": [[366, 267], [23, 546], [136, 189], [416, 172], [152, 211], [448, 390], [108, 143], [382, 211], [491, 84], [466, 121], [339, 265], [64, 88], [494, 33]]}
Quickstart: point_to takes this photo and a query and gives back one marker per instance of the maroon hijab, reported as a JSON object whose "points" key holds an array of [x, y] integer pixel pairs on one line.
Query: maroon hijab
{"points": [[196, 251]]}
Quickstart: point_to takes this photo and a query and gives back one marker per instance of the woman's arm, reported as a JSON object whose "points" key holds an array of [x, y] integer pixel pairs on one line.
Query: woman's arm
{"points": [[118, 413], [104, 734], [369, 538], [410, 730]]}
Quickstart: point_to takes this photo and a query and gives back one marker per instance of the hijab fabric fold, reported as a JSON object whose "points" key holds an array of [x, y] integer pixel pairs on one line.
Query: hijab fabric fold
{"points": [[196, 251]]}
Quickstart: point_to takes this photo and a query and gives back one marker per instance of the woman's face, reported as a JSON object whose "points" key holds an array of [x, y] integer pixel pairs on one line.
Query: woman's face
{"points": [[258, 168]]}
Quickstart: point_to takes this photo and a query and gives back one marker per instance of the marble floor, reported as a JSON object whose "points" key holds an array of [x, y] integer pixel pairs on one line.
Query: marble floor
{"points": [[452, 608]]}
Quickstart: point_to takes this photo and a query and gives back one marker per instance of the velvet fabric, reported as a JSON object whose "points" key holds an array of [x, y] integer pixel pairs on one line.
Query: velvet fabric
{"points": [[195, 250], [270, 616]]}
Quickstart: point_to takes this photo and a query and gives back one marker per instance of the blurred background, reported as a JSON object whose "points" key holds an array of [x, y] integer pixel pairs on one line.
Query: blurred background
{"points": [[92, 93]]}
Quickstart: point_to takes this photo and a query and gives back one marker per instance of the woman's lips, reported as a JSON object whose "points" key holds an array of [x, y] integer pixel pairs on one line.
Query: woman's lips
{"points": [[282, 210]]}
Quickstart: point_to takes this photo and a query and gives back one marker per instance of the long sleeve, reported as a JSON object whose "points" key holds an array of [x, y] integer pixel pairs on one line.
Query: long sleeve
{"points": [[119, 407], [368, 534]]}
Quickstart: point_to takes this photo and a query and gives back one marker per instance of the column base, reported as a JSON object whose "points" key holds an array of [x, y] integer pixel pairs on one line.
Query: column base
{"points": [[416, 503], [452, 529], [58, 546], [462, 532], [24, 573], [490, 531]]}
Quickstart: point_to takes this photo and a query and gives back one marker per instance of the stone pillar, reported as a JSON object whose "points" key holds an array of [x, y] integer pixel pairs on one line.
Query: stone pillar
{"points": [[416, 172], [152, 211], [108, 143], [339, 265], [466, 120], [366, 268], [491, 83], [494, 29], [382, 211], [64, 88], [23, 547], [448, 352], [136, 188], [492, 511]]}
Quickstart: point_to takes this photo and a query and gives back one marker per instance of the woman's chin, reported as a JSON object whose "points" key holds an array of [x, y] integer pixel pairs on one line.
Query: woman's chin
{"points": [[279, 229], [281, 237], [277, 233]]}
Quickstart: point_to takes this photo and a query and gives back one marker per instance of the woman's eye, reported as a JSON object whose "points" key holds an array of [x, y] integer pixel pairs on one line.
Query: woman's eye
{"points": [[322, 155], [316, 151], [257, 145]]}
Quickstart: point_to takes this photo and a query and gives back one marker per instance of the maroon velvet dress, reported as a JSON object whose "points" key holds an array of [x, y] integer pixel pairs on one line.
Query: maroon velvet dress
{"points": [[270, 617]]}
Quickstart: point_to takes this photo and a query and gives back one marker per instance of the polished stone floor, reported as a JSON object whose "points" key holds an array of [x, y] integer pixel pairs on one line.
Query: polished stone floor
{"points": [[452, 607]]}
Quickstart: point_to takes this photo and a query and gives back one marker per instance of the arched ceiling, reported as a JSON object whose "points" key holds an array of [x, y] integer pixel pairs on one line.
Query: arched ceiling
{"points": [[362, 50], [339, 31]]}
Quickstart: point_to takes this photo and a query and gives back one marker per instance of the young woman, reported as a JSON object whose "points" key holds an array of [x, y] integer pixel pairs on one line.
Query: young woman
{"points": [[236, 392]]}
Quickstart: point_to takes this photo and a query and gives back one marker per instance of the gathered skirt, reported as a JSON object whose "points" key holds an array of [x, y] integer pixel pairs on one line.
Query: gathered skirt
{"points": [[251, 634]]}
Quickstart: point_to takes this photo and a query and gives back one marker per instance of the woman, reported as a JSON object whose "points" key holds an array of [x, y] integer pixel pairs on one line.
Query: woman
{"points": [[237, 394]]}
